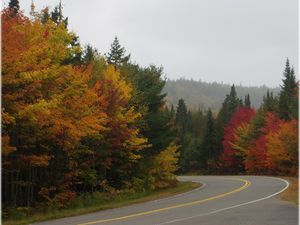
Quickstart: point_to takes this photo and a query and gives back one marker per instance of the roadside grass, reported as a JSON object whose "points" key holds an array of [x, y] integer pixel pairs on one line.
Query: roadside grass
{"points": [[291, 194], [90, 204]]}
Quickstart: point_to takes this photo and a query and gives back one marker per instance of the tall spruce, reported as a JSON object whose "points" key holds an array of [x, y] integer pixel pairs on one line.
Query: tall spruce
{"points": [[117, 56], [247, 102], [207, 149], [288, 97], [229, 106], [270, 103], [181, 117]]}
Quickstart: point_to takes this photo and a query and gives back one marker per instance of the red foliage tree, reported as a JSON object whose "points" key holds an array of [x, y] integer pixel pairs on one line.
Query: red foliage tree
{"points": [[257, 158], [229, 160]]}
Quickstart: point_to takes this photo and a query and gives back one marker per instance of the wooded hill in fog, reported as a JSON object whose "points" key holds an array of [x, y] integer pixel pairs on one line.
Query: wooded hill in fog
{"points": [[210, 95]]}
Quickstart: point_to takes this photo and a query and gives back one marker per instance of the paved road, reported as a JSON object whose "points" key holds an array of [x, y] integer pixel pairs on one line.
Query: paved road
{"points": [[222, 200]]}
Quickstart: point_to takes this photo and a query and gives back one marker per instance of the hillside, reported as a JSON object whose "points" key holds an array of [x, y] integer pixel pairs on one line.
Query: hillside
{"points": [[203, 94]]}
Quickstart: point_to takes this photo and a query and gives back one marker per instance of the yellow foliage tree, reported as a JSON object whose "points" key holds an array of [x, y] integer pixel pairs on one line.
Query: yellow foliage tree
{"points": [[282, 148], [163, 167]]}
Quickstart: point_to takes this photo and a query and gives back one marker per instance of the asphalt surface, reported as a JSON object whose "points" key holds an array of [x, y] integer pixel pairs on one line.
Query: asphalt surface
{"points": [[221, 200]]}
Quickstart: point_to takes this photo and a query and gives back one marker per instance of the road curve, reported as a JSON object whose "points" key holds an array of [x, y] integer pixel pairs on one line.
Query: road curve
{"points": [[226, 200]]}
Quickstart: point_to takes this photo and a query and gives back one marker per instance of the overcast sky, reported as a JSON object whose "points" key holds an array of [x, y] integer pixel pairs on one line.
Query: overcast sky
{"points": [[234, 41]]}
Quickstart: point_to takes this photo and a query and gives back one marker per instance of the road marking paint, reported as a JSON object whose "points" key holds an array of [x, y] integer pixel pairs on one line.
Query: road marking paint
{"points": [[246, 185], [231, 207]]}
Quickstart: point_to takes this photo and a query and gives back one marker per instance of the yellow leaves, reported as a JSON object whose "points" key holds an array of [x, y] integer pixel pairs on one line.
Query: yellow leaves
{"points": [[282, 147], [41, 110], [113, 82], [165, 163], [241, 139]]}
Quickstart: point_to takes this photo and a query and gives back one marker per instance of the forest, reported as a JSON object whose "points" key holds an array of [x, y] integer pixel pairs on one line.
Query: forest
{"points": [[204, 95], [76, 121]]}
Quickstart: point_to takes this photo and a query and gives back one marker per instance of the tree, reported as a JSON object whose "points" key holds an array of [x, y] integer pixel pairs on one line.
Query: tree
{"points": [[181, 117], [207, 154], [288, 94], [270, 103], [164, 166], [14, 6], [229, 106], [117, 56], [89, 54], [282, 148], [257, 160], [247, 102], [45, 16], [57, 15], [232, 158]]}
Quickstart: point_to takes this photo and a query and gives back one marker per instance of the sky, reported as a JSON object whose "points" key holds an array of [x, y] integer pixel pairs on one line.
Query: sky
{"points": [[230, 41]]}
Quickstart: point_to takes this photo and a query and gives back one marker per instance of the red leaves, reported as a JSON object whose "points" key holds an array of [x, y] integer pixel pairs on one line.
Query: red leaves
{"points": [[229, 159]]}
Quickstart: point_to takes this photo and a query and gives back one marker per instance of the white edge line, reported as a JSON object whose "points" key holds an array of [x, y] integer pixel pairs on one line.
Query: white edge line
{"points": [[184, 193], [231, 207]]}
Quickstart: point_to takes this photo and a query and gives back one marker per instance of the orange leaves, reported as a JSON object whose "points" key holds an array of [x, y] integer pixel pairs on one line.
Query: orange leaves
{"points": [[282, 148], [35, 160]]}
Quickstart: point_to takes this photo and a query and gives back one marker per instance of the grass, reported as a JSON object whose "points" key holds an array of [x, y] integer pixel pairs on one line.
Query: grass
{"points": [[93, 204], [291, 194]]}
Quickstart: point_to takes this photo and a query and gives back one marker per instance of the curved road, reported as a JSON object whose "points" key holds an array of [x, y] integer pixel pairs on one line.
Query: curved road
{"points": [[224, 200]]}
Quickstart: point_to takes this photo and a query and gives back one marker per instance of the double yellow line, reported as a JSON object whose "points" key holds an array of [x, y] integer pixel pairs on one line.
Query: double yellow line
{"points": [[245, 185]]}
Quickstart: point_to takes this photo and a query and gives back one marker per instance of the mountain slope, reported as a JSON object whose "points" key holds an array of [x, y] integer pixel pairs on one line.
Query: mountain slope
{"points": [[203, 94]]}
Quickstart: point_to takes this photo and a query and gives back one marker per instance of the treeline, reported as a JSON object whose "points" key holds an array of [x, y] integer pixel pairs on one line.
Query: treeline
{"points": [[240, 139], [75, 121], [204, 95]]}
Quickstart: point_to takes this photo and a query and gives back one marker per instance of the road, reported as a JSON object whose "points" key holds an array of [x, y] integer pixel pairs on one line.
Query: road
{"points": [[224, 200]]}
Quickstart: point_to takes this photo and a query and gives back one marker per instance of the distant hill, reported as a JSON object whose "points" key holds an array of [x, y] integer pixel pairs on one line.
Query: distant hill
{"points": [[203, 94]]}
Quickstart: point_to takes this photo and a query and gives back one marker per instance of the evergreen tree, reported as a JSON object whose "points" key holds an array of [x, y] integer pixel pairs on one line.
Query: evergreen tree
{"points": [[207, 149], [57, 15], [181, 117], [45, 16], [89, 54], [288, 97], [229, 106], [270, 103], [247, 102], [117, 56], [14, 6]]}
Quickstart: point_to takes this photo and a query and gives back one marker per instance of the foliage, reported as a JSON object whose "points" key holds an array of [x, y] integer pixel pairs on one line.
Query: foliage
{"points": [[235, 140]]}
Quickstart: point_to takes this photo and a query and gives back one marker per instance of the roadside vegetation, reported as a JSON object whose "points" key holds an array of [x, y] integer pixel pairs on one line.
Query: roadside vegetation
{"points": [[96, 201], [292, 193]]}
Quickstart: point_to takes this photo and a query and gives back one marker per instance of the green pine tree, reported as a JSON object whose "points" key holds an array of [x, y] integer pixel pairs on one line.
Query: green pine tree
{"points": [[288, 97], [247, 102], [117, 56], [207, 148], [181, 117]]}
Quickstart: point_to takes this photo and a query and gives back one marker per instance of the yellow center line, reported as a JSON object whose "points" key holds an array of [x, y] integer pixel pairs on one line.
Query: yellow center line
{"points": [[246, 185]]}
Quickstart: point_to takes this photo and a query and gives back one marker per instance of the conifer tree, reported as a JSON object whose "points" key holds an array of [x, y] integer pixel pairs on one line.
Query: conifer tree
{"points": [[117, 56], [247, 102], [181, 117], [14, 6], [207, 148], [288, 97]]}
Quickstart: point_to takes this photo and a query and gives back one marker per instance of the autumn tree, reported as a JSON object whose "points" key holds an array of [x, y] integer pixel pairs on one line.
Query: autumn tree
{"points": [[229, 106], [233, 155]]}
